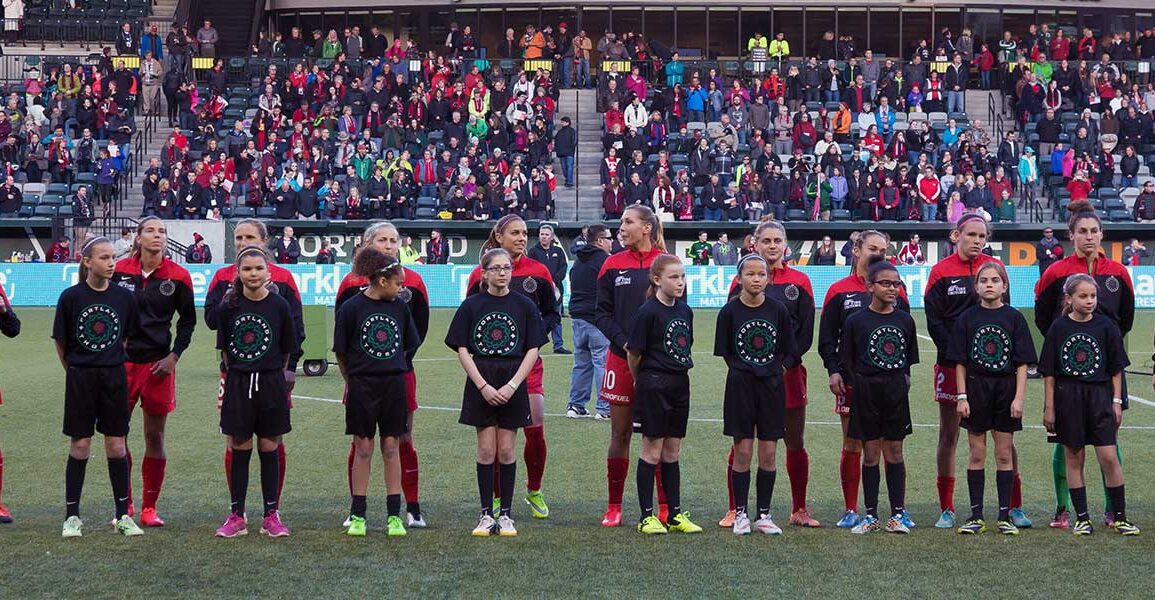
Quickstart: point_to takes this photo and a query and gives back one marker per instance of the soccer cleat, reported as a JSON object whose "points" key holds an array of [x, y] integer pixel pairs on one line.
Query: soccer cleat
{"points": [[348, 521], [1082, 527], [895, 524], [601, 416], [505, 527], [1125, 527], [652, 526], [537, 506], [149, 518], [486, 526], [974, 527], [416, 520], [1008, 528], [272, 526], [1109, 518], [945, 520], [1020, 519], [127, 527], [612, 516], [868, 524], [5, 516], [741, 524], [234, 526], [906, 520], [577, 412], [356, 527], [766, 525], [72, 527], [681, 523], [728, 520], [1061, 520], [664, 513], [394, 527], [802, 518], [849, 520]]}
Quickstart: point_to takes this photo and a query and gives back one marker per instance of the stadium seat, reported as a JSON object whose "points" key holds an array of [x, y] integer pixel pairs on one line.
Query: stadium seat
{"points": [[34, 188], [44, 210], [266, 212], [51, 199], [64, 211], [795, 214], [243, 212], [1114, 204], [425, 213], [840, 215], [427, 202], [1119, 216], [27, 210]]}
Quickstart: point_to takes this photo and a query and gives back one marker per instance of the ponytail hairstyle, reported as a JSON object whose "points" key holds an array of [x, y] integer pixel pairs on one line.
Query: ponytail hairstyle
{"points": [[86, 251], [372, 264], [233, 296], [499, 227], [488, 256], [998, 267], [1071, 284], [139, 228], [646, 214], [1079, 210], [661, 262]]}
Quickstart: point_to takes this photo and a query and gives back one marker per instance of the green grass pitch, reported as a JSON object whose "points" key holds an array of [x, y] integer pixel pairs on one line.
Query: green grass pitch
{"points": [[569, 555]]}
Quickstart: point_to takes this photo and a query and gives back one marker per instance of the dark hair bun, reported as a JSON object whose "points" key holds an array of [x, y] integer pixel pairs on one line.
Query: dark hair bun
{"points": [[1079, 206], [875, 259]]}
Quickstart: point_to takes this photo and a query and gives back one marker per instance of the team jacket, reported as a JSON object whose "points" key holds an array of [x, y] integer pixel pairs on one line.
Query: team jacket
{"points": [[622, 285], [413, 292], [844, 298], [950, 291], [166, 291], [1116, 294], [286, 288], [792, 288], [531, 279]]}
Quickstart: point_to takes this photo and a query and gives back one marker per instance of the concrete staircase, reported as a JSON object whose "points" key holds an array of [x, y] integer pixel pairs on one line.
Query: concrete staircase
{"points": [[583, 203]]}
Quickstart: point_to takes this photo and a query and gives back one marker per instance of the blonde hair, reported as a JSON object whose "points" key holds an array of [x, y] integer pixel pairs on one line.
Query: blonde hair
{"points": [[661, 262], [646, 214]]}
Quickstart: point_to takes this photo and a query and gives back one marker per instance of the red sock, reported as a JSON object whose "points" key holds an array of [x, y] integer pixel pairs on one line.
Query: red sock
{"points": [[1, 477], [1017, 492], [535, 452], [661, 490], [730, 478], [945, 493], [229, 468], [850, 472], [152, 478], [617, 469], [798, 467], [409, 472], [281, 478], [352, 453]]}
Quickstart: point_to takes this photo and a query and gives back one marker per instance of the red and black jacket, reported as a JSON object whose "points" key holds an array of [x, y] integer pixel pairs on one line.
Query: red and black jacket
{"points": [[166, 291], [950, 291], [1116, 293], [286, 288], [418, 299], [792, 288], [531, 279], [622, 284], [844, 298]]}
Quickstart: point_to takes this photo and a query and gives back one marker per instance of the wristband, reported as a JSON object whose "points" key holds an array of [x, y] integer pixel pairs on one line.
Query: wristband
{"points": [[482, 388], [1117, 400], [960, 397]]}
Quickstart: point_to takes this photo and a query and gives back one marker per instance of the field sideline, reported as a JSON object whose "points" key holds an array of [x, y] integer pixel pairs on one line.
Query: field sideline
{"points": [[569, 555]]}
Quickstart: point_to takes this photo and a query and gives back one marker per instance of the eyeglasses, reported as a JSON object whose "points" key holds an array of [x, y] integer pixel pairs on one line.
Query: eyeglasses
{"points": [[499, 269], [888, 283]]}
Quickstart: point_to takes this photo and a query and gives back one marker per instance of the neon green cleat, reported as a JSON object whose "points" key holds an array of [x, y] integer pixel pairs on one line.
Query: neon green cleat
{"points": [[1008, 528], [1126, 527], [395, 528], [537, 505], [127, 527], [652, 526], [357, 527], [973, 527], [72, 528], [681, 523]]}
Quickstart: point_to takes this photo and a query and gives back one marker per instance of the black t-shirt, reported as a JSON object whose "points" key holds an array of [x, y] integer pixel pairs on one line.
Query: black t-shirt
{"points": [[759, 339], [1091, 351], [496, 326], [875, 343], [256, 336], [375, 335], [93, 325], [663, 336], [991, 341]]}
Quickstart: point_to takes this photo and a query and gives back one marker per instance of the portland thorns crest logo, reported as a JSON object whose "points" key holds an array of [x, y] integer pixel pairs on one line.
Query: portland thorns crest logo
{"points": [[1079, 356], [405, 295], [990, 346], [379, 337], [98, 328], [678, 340], [757, 342], [252, 337], [495, 334], [791, 292], [887, 348], [167, 287], [529, 284]]}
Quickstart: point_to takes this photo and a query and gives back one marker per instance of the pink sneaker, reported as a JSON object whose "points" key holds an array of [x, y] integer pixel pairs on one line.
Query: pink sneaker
{"points": [[272, 525], [234, 527]]}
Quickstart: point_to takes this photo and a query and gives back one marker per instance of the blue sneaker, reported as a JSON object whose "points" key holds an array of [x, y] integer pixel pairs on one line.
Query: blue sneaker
{"points": [[1019, 518], [906, 520], [945, 520], [848, 520]]}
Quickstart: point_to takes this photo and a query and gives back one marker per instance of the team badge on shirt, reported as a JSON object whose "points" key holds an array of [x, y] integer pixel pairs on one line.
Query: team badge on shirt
{"points": [[98, 328], [1080, 356], [757, 340], [677, 340], [496, 334], [887, 348], [405, 295], [252, 337], [529, 284], [989, 347], [167, 287], [791, 292], [379, 337], [1112, 284]]}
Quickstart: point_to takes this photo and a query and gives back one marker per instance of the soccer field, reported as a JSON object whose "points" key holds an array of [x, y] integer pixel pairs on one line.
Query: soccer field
{"points": [[568, 555]]}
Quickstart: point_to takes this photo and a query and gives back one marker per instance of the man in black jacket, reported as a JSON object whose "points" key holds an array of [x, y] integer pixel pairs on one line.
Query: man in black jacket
{"points": [[285, 248], [553, 257], [1048, 130], [590, 345], [284, 199], [565, 147]]}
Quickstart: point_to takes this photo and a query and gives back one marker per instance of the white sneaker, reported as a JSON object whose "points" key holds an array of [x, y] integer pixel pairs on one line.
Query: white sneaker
{"points": [[505, 526], [485, 526], [72, 527], [766, 525], [577, 412], [417, 521], [600, 416], [741, 524]]}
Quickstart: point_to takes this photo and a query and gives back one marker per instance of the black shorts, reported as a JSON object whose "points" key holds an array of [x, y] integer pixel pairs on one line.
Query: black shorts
{"points": [[1084, 414], [754, 405], [255, 404], [96, 399], [375, 403], [662, 403], [476, 412], [990, 398], [881, 408]]}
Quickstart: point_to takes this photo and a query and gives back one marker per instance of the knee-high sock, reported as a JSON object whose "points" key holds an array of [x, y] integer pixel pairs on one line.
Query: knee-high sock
{"points": [[798, 468], [671, 475], [409, 472], [152, 478], [976, 481], [1017, 491], [765, 484], [229, 467], [645, 479], [349, 470], [1108, 503], [1059, 475], [238, 465], [850, 473], [945, 493], [271, 479], [534, 453], [730, 480], [1004, 481], [617, 469], [870, 481], [741, 485], [280, 471], [73, 485], [485, 486], [118, 477], [508, 476], [896, 486]]}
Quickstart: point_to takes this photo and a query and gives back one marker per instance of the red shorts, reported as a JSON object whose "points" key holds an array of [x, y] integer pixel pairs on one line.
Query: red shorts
{"points": [[795, 380], [221, 393], [533, 383], [842, 403], [618, 382], [945, 384], [156, 394]]}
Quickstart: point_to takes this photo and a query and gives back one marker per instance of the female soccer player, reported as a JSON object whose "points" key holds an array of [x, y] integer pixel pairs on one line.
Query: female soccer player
{"points": [[792, 288], [257, 338], [373, 336], [1116, 301], [755, 335], [93, 320], [251, 232], [877, 348], [990, 345], [622, 285], [10, 327], [844, 298], [1082, 364], [660, 357], [532, 279], [496, 335], [384, 237], [162, 289]]}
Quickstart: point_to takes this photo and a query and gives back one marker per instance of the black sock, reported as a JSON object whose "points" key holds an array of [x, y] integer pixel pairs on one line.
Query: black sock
{"points": [[896, 486], [118, 476], [485, 487], [870, 480], [1118, 502], [765, 485], [73, 485], [270, 479], [1079, 503], [1004, 481], [414, 508], [239, 479], [645, 479], [976, 479], [393, 505], [741, 483], [508, 474], [360, 506], [672, 484]]}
